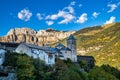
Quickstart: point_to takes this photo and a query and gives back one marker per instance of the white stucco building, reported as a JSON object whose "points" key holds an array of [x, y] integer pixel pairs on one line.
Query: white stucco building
{"points": [[35, 51]]}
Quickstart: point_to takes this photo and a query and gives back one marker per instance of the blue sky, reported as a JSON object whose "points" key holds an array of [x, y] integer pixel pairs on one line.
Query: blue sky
{"points": [[57, 14]]}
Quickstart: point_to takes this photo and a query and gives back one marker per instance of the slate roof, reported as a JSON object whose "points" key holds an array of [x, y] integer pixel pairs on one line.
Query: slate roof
{"points": [[60, 45], [85, 57], [53, 50], [50, 50], [66, 49], [60, 56], [71, 37], [32, 46], [9, 44]]}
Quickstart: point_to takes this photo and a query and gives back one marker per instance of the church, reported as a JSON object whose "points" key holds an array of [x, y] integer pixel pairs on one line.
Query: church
{"points": [[70, 52]]}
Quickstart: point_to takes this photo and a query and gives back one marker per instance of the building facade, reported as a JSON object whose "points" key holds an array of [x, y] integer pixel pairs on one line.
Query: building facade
{"points": [[35, 51], [67, 52]]}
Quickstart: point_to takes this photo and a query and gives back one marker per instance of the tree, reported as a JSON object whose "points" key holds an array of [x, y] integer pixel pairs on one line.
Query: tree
{"points": [[68, 62], [60, 68], [10, 59], [111, 70], [25, 68], [97, 73], [71, 75], [83, 65], [39, 69]]}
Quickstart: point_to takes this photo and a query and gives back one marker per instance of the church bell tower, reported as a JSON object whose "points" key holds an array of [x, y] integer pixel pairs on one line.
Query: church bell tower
{"points": [[71, 44]]}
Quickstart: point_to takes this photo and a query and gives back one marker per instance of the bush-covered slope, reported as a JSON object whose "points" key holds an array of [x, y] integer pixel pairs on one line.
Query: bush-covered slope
{"points": [[102, 42]]}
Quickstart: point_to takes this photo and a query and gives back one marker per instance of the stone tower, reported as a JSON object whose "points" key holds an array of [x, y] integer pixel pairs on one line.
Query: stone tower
{"points": [[71, 44]]}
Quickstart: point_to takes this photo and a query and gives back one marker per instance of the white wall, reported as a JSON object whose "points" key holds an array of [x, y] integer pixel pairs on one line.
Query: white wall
{"points": [[2, 56], [66, 54], [36, 53], [24, 49]]}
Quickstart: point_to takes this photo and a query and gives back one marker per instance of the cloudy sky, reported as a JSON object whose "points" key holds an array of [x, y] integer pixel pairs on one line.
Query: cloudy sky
{"points": [[57, 14]]}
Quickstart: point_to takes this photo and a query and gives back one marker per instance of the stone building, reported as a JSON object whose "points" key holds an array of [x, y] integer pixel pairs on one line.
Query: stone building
{"points": [[67, 52], [89, 60], [9, 46]]}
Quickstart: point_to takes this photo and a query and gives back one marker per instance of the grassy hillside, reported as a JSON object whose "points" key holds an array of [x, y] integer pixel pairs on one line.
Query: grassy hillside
{"points": [[102, 42]]}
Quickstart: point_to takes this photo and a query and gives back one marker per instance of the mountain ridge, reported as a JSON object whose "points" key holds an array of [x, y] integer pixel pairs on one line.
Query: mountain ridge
{"points": [[31, 36]]}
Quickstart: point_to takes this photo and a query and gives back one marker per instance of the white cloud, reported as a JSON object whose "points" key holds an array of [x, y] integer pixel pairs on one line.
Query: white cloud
{"points": [[67, 17], [111, 20], [70, 9], [40, 16], [72, 3], [82, 18], [67, 14], [52, 17], [95, 14], [80, 5], [24, 15], [49, 23], [113, 7]]}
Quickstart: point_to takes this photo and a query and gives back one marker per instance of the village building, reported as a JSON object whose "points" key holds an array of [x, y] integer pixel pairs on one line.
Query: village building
{"points": [[67, 52], [89, 60], [46, 53], [9, 46], [34, 51]]}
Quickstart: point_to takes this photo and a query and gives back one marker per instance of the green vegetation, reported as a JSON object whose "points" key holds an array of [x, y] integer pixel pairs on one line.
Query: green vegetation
{"points": [[27, 68], [102, 42]]}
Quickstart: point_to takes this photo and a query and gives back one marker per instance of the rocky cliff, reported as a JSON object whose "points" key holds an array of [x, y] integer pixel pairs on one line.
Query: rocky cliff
{"points": [[28, 35]]}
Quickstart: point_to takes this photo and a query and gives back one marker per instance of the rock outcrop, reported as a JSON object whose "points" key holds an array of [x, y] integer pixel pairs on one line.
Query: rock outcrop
{"points": [[18, 31], [28, 35]]}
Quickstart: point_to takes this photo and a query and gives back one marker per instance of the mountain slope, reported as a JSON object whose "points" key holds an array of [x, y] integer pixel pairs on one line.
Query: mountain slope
{"points": [[102, 42]]}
